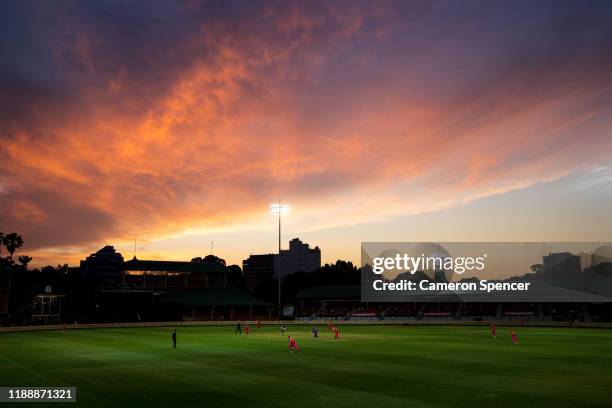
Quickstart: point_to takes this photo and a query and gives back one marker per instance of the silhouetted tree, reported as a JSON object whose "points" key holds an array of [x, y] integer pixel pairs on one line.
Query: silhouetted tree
{"points": [[12, 241], [47, 269], [537, 268], [209, 258], [62, 269], [339, 273], [213, 258], [236, 279], [296, 282], [24, 260]]}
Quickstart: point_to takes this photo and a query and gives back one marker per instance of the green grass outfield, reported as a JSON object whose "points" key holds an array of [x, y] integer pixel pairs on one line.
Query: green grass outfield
{"points": [[378, 366]]}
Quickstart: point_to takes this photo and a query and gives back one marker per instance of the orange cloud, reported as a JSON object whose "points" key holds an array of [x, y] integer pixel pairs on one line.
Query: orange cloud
{"points": [[344, 111]]}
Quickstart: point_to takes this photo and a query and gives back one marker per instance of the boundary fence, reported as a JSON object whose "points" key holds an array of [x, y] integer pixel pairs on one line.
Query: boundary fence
{"points": [[78, 326]]}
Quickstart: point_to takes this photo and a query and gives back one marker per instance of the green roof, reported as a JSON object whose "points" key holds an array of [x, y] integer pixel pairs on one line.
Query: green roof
{"points": [[331, 292], [210, 297]]}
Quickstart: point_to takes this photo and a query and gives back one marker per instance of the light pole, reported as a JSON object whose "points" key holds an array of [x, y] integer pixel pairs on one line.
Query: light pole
{"points": [[280, 210]]}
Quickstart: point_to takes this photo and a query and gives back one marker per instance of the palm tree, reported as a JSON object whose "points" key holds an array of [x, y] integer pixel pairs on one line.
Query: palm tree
{"points": [[12, 241], [62, 269], [25, 260]]}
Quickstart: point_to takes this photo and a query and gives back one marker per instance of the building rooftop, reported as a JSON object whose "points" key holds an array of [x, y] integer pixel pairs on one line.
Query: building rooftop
{"points": [[173, 266], [210, 297]]}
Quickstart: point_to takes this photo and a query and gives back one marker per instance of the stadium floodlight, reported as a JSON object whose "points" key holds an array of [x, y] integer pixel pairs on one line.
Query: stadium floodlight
{"points": [[279, 210]]}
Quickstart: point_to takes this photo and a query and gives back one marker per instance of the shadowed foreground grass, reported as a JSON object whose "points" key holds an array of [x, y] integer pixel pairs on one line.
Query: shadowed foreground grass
{"points": [[369, 367]]}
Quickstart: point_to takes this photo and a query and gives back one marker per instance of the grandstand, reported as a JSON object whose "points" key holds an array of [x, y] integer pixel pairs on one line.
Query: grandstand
{"points": [[215, 304], [343, 303], [107, 289]]}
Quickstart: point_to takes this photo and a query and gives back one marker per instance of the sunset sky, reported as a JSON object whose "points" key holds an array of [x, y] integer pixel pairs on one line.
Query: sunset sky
{"points": [[178, 123]]}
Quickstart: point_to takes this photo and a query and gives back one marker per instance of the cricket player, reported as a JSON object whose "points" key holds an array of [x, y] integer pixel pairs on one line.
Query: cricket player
{"points": [[238, 329], [514, 337], [174, 339], [293, 345], [493, 330], [336, 333]]}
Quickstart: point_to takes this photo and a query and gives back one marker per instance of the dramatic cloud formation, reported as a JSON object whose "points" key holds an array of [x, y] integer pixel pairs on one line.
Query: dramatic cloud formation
{"points": [[151, 119]]}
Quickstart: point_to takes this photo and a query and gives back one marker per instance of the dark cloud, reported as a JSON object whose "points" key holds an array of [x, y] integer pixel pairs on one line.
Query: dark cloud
{"points": [[45, 216]]}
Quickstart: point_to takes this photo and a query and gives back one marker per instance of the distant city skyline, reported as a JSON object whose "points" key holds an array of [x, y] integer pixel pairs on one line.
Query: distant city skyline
{"points": [[179, 124]]}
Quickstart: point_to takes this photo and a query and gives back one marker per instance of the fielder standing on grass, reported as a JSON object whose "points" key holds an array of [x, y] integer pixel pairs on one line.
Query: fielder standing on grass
{"points": [[174, 339]]}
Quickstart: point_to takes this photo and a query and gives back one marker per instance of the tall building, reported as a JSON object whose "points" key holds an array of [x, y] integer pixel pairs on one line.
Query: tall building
{"points": [[258, 271], [298, 258]]}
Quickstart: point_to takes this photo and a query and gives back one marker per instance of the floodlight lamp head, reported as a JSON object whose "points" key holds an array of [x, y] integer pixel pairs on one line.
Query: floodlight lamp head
{"points": [[279, 209]]}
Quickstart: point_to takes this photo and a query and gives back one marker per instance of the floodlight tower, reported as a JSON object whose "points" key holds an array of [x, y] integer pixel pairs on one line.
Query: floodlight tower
{"points": [[280, 210]]}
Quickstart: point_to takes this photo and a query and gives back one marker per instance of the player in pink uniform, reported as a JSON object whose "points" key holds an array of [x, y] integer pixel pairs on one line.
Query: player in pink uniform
{"points": [[514, 337], [493, 330], [293, 345]]}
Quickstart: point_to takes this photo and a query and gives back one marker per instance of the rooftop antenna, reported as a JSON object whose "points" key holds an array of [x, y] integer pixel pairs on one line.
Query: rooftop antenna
{"points": [[212, 245], [134, 248]]}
